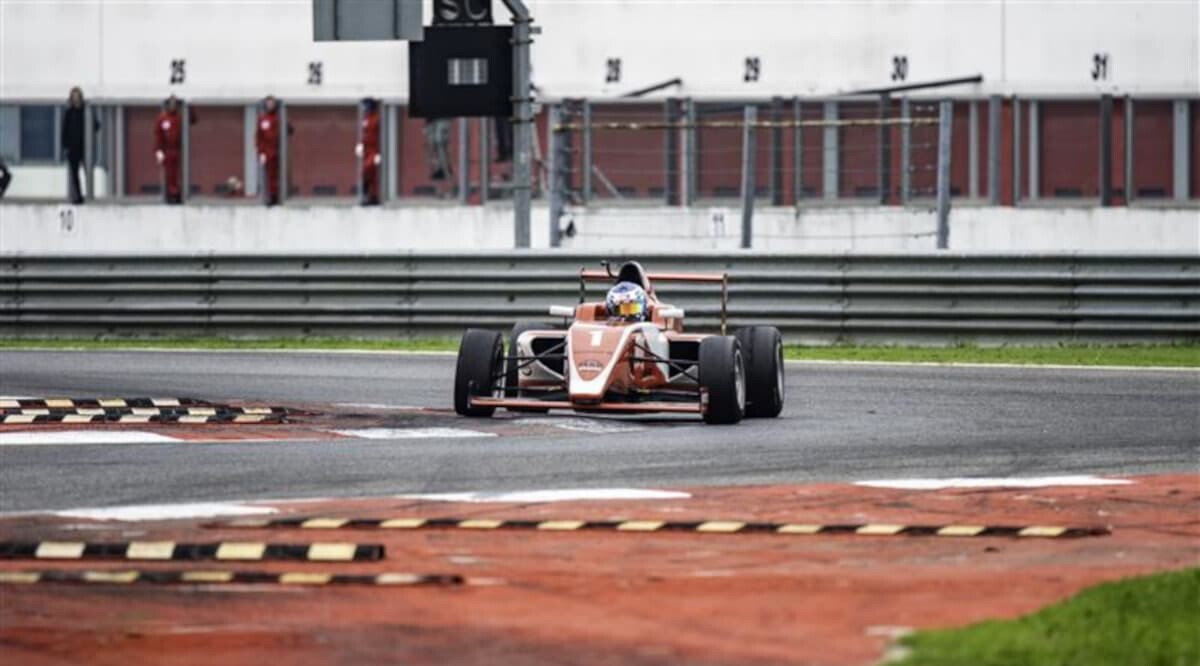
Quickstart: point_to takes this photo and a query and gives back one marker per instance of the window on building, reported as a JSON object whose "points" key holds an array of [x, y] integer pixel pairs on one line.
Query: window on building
{"points": [[37, 133], [10, 138]]}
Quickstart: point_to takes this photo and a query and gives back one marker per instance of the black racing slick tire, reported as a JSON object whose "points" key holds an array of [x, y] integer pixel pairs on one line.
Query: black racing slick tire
{"points": [[723, 377], [763, 348], [480, 360], [511, 376]]}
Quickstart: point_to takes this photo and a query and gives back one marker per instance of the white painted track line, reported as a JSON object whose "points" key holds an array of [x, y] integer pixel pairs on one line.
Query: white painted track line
{"points": [[1002, 482], [563, 495], [71, 437]]}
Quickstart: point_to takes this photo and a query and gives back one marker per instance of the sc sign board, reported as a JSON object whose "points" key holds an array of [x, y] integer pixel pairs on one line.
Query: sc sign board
{"points": [[461, 71], [367, 20]]}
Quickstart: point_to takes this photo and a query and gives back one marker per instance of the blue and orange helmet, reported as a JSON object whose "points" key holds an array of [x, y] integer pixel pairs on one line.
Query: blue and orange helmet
{"points": [[627, 301]]}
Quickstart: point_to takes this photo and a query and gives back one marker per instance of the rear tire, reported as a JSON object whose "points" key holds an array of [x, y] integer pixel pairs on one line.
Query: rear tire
{"points": [[511, 374], [480, 358], [723, 375], [763, 349]]}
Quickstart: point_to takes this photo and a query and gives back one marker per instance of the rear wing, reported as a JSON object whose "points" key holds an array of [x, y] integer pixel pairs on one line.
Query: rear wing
{"points": [[587, 275]]}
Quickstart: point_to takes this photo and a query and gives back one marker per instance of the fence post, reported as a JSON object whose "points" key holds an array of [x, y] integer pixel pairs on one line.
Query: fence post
{"points": [[1179, 149], [1106, 109], [185, 153], [554, 171], [284, 157], [689, 152], [89, 151], [392, 136], [586, 176], [359, 185], [485, 159], [829, 158], [1016, 151], [464, 161], [1033, 189], [797, 153], [945, 122], [777, 151], [973, 149], [905, 151], [671, 152], [1128, 188], [885, 150], [749, 119], [117, 178], [994, 150]]}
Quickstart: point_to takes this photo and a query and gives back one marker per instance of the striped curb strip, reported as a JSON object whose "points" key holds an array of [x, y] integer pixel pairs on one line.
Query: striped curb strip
{"points": [[227, 577], [72, 403], [701, 527], [143, 415], [170, 550]]}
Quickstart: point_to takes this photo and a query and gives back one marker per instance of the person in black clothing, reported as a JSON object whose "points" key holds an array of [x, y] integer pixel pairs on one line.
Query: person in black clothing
{"points": [[73, 141], [5, 177]]}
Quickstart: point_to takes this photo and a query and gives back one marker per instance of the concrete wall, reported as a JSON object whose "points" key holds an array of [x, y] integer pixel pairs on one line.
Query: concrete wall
{"points": [[49, 181], [245, 48], [100, 228]]}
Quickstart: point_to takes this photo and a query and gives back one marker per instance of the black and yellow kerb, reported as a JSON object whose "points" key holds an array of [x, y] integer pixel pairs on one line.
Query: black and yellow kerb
{"points": [[132, 410], [697, 527], [218, 577], [171, 550]]}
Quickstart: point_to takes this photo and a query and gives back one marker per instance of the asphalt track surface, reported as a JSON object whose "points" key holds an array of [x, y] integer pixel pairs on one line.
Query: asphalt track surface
{"points": [[840, 422]]}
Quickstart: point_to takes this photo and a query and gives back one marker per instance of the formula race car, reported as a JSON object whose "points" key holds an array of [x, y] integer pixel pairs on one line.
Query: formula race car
{"points": [[628, 354]]}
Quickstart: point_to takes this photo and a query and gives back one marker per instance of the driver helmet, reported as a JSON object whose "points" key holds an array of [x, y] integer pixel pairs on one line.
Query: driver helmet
{"points": [[626, 301]]}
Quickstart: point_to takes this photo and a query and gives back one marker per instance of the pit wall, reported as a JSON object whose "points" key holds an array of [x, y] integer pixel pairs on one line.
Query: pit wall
{"points": [[114, 228]]}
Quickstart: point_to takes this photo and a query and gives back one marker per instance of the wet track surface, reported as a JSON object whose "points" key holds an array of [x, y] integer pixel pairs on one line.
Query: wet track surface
{"points": [[841, 422]]}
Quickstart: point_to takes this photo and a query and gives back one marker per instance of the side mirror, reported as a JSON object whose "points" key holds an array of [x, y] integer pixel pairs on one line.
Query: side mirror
{"points": [[562, 311], [671, 313]]}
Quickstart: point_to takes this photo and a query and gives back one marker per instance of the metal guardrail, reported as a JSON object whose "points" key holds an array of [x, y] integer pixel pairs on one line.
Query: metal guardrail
{"points": [[935, 298]]}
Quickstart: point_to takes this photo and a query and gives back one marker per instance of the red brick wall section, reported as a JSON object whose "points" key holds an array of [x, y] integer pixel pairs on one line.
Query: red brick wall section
{"points": [[1070, 149], [1117, 168], [924, 150], [1194, 111], [321, 152], [217, 150], [633, 160], [1152, 144], [142, 176], [719, 155], [812, 143], [858, 152], [960, 149]]}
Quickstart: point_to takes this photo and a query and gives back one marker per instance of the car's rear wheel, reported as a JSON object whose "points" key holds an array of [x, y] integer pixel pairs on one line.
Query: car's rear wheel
{"points": [[480, 361], [763, 349], [723, 377]]}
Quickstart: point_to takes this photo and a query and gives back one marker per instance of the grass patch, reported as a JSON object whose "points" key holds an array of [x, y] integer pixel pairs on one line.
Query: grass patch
{"points": [[1149, 621], [1182, 355], [218, 344]]}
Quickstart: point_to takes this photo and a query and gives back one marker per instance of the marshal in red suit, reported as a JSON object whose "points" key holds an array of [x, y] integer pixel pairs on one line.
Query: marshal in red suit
{"points": [[168, 147], [369, 151]]}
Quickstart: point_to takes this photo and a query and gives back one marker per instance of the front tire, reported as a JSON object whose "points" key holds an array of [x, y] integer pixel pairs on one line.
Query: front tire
{"points": [[480, 360], [763, 348], [723, 376]]}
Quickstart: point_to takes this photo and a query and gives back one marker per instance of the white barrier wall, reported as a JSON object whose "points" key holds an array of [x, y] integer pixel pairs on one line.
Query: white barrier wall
{"points": [[246, 48], [107, 228]]}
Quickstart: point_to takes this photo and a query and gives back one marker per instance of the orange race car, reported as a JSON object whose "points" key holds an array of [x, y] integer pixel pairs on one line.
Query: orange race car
{"points": [[628, 354]]}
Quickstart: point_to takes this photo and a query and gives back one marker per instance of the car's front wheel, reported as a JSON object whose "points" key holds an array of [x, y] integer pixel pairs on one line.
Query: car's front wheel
{"points": [[723, 377], [480, 367]]}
